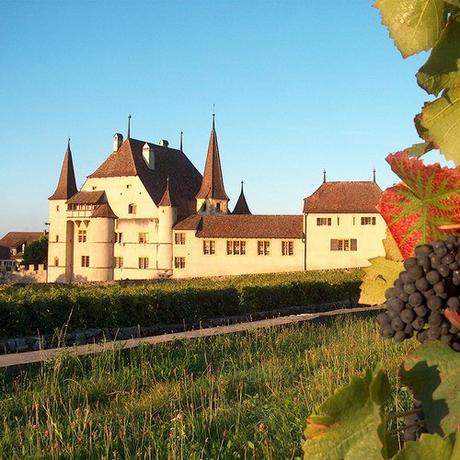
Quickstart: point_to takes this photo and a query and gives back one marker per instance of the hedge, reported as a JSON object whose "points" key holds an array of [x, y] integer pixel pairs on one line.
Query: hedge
{"points": [[35, 310]]}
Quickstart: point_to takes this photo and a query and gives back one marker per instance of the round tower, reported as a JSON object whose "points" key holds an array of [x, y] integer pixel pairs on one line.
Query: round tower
{"points": [[167, 217]]}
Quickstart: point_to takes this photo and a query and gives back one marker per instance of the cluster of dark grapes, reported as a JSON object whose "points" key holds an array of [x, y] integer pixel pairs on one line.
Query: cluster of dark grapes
{"points": [[428, 286]]}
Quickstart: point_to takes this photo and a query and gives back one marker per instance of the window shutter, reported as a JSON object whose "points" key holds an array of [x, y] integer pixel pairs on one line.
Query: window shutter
{"points": [[354, 244]]}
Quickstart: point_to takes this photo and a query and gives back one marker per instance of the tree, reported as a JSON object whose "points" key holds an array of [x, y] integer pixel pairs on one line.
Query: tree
{"points": [[36, 252]]}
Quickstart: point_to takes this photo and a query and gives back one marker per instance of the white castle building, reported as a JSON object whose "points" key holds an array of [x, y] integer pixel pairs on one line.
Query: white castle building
{"points": [[147, 213]]}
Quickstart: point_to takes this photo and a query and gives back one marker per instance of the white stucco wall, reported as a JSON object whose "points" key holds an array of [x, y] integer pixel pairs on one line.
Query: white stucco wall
{"points": [[343, 226]]}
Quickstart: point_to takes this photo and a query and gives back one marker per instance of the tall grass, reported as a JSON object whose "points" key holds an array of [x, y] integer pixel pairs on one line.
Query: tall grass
{"points": [[234, 396]]}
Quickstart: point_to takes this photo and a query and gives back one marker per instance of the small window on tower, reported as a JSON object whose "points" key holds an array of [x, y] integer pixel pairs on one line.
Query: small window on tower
{"points": [[132, 208], [57, 238], [57, 208], [56, 262], [218, 206]]}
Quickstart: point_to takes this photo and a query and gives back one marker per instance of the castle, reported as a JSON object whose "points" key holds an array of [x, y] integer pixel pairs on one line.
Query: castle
{"points": [[147, 213]]}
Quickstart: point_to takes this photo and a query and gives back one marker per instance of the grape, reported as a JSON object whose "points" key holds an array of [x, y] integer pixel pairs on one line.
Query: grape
{"points": [[429, 284]]}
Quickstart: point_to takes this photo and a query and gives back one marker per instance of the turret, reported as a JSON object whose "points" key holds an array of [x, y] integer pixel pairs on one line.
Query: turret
{"points": [[211, 198], [167, 217], [60, 247], [241, 206]]}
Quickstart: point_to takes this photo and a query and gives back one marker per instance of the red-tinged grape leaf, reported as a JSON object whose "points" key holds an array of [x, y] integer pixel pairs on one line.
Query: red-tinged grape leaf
{"points": [[378, 277], [439, 123], [351, 423], [453, 317], [414, 25], [431, 447], [442, 68], [428, 198], [433, 373]]}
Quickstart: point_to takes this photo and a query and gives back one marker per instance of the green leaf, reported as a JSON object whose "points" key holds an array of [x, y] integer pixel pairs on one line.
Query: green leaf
{"points": [[433, 373], [350, 424], [429, 446], [428, 198], [414, 25], [442, 68], [439, 123], [417, 150], [378, 277]]}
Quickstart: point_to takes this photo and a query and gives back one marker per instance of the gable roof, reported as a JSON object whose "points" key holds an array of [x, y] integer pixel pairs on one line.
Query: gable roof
{"points": [[14, 239], [244, 226], [128, 161], [104, 210], [241, 206], [344, 197], [212, 185], [67, 185], [83, 197]]}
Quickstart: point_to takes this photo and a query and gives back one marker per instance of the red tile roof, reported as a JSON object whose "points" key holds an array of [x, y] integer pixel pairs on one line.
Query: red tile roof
{"points": [[66, 186], [14, 239], [83, 197], [128, 161], [104, 210], [244, 226], [212, 185], [344, 197], [241, 206]]}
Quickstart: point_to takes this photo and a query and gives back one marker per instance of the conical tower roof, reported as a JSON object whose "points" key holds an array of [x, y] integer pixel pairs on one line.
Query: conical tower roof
{"points": [[241, 206], [166, 198], [67, 185], [212, 186]]}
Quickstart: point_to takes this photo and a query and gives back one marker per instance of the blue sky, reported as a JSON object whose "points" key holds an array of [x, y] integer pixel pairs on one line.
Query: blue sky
{"points": [[298, 86]]}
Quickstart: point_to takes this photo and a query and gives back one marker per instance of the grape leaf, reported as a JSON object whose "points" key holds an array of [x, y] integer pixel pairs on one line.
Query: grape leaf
{"points": [[417, 150], [351, 424], [429, 197], [414, 25], [439, 123], [433, 373], [430, 446], [442, 68], [392, 251], [378, 277]]}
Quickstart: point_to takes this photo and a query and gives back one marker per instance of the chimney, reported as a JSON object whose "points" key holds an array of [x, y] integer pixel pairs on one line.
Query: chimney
{"points": [[117, 141], [149, 156], [164, 142]]}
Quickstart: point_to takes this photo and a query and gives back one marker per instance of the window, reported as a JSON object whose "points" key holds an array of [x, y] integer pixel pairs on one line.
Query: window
{"points": [[179, 238], [132, 208], [118, 237], [143, 263], [57, 238], [368, 220], [287, 248], [57, 208], [85, 261], [209, 247], [338, 221], [218, 206], [143, 238], [179, 262], [56, 262], [323, 221], [128, 185], [82, 236], [263, 248], [236, 247], [94, 187], [344, 245], [118, 262]]}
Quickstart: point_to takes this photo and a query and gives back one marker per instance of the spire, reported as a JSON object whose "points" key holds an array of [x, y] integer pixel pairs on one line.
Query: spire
{"points": [[67, 185], [241, 206], [181, 135], [129, 127], [212, 185], [324, 176], [166, 198], [373, 176]]}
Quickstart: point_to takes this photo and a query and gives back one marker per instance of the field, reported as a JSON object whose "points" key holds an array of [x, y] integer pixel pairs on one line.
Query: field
{"points": [[241, 396]]}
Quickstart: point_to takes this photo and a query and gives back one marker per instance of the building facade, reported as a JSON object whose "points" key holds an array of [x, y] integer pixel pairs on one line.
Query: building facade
{"points": [[148, 213]]}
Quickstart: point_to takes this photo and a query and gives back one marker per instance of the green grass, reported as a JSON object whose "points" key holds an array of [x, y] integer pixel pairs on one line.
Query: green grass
{"points": [[232, 396]]}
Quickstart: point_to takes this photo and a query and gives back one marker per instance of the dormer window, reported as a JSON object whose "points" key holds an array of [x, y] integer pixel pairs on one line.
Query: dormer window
{"points": [[132, 208]]}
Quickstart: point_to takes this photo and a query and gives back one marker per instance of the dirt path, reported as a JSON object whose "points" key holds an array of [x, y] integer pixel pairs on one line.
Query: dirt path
{"points": [[16, 359]]}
